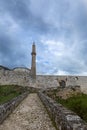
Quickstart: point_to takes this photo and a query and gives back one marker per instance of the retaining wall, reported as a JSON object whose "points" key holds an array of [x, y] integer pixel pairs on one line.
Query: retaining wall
{"points": [[63, 118], [7, 108]]}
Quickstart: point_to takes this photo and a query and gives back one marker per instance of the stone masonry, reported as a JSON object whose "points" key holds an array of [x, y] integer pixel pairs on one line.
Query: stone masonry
{"points": [[22, 76], [29, 115], [33, 64], [63, 118]]}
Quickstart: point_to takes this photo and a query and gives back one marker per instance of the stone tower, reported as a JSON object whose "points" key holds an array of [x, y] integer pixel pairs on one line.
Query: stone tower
{"points": [[33, 64]]}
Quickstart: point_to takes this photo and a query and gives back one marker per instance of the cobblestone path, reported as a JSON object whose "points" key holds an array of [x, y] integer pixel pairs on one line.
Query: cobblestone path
{"points": [[29, 115]]}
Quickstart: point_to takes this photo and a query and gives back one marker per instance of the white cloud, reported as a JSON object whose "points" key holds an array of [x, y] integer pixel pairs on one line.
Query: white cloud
{"points": [[84, 1], [62, 58], [83, 73], [57, 26], [61, 72], [56, 48]]}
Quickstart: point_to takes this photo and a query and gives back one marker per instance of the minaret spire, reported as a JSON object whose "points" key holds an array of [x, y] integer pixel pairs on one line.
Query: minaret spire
{"points": [[33, 64]]}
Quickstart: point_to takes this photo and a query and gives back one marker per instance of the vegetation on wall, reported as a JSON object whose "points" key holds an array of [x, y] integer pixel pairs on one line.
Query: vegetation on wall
{"points": [[77, 103], [72, 99], [8, 92]]}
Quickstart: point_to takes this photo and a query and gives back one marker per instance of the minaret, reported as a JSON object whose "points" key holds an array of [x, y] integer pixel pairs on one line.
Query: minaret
{"points": [[33, 65]]}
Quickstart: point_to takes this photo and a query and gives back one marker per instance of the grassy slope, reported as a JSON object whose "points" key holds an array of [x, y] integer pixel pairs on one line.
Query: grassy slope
{"points": [[7, 92], [78, 104]]}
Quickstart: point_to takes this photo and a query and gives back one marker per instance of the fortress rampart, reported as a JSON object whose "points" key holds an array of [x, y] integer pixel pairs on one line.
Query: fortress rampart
{"points": [[21, 76]]}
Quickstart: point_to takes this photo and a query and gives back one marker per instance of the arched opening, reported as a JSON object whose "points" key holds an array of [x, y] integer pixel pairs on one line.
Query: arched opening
{"points": [[62, 83]]}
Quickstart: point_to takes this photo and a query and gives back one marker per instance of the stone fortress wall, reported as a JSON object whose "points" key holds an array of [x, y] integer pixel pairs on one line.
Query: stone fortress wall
{"points": [[21, 76], [53, 81]]}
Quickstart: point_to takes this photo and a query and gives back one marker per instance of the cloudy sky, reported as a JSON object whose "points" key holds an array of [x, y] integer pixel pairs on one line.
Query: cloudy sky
{"points": [[58, 27]]}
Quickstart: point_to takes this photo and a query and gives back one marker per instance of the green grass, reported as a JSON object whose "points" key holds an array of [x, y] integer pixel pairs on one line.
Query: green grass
{"points": [[78, 104], [8, 92]]}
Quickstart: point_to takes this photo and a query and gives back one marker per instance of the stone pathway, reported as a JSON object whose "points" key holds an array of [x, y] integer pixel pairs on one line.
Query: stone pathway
{"points": [[29, 115]]}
